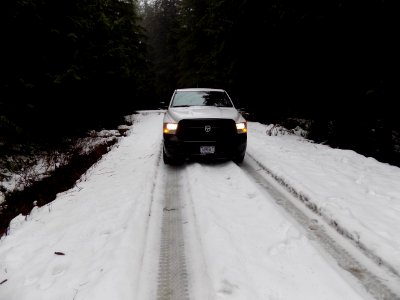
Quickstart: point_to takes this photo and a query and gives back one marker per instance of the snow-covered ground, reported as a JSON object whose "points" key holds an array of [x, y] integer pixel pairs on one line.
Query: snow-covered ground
{"points": [[103, 239], [358, 193]]}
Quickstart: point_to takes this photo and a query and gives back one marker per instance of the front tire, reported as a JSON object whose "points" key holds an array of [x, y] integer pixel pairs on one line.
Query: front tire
{"points": [[167, 160], [170, 160], [239, 158]]}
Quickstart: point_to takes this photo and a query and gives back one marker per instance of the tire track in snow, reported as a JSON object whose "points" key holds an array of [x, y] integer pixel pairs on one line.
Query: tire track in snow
{"points": [[381, 262], [380, 286], [172, 275], [146, 242]]}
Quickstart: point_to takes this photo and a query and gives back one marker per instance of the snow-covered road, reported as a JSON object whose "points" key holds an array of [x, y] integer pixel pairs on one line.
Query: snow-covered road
{"points": [[134, 228]]}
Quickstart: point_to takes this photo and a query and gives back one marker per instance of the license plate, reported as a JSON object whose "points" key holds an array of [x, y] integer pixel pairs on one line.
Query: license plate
{"points": [[207, 149]]}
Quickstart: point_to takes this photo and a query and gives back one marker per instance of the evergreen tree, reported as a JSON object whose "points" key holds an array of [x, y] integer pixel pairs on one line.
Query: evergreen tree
{"points": [[71, 57], [162, 26]]}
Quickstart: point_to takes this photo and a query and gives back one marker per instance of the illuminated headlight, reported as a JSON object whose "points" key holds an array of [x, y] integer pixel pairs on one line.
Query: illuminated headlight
{"points": [[241, 127], [170, 128]]}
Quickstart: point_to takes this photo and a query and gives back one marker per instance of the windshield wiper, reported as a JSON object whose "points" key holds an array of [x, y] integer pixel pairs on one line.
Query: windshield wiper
{"points": [[181, 106]]}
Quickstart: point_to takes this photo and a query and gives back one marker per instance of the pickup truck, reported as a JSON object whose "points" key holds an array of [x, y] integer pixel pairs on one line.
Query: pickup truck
{"points": [[203, 122]]}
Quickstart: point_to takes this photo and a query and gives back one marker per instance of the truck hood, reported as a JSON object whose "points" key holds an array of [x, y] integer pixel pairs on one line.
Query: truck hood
{"points": [[202, 112]]}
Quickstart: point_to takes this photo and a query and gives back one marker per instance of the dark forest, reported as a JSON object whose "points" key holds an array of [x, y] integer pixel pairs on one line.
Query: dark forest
{"points": [[69, 65]]}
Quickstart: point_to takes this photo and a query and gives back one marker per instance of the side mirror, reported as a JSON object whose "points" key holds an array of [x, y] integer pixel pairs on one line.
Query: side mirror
{"points": [[241, 110], [244, 113], [163, 105]]}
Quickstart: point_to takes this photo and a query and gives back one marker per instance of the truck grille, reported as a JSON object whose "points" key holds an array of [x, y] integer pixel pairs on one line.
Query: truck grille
{"points": [[206, 130]]}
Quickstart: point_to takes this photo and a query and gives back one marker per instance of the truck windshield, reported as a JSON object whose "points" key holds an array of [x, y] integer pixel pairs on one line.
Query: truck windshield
{"points": [[201, 98]]}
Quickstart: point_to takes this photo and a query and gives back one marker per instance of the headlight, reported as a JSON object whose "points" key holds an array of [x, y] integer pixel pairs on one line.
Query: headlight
{"points": [[170, 128], [241, 127]]}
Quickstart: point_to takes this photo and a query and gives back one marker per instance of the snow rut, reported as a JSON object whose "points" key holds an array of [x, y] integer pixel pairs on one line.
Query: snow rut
{"points": [[380, 261], [172, 275], [375, 285]]}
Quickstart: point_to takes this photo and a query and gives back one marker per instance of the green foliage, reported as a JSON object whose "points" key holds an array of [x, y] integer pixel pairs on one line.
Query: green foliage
{"points": [[310, 49], [71, 57]]}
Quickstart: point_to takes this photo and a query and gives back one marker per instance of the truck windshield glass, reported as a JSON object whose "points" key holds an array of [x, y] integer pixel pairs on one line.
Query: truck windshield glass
{"points": [[201, 98]]}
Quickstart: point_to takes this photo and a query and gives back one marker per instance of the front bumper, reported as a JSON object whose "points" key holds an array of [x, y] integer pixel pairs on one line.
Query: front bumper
{"points": [[179, 149]]}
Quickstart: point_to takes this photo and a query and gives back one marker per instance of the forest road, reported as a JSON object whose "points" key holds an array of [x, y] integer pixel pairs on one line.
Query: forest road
{"points": [[198, 237]]}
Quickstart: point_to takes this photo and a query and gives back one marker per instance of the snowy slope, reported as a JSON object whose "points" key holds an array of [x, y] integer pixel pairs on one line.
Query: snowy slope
{"points": [[99, 226]]}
